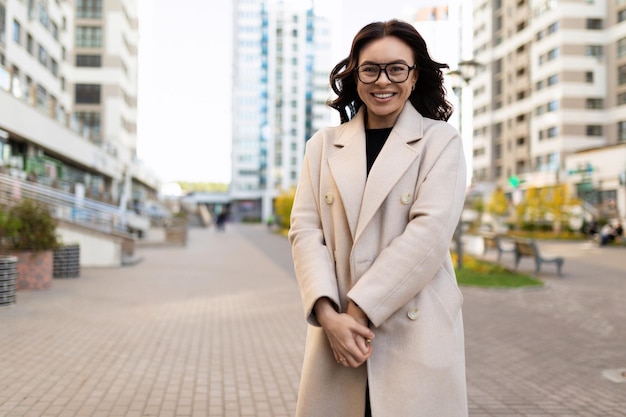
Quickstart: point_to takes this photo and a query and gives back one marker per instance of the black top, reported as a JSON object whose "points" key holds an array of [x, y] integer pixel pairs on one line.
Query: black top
{"points": [[374, 140]]}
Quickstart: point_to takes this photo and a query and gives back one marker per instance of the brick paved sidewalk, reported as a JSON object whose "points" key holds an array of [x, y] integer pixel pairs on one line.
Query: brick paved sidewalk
{"points": [[216, 329]]}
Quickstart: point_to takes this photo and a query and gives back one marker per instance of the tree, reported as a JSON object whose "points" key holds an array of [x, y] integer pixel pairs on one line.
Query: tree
{"points": [[282, 208], [559, 204], [498, 203]]}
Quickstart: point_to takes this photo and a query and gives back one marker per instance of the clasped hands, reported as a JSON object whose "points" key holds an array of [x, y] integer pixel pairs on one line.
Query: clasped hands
{"points": [[348, 333]]}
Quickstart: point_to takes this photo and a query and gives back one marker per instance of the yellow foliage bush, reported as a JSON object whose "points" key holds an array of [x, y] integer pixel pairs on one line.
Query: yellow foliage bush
{"points": [[282, 208]]}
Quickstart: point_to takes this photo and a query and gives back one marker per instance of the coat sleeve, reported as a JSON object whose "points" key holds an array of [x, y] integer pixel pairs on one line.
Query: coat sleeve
{"points": [[313, 263], [411, 261]]}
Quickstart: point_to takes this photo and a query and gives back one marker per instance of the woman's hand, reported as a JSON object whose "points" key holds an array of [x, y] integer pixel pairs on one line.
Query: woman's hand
{"points": [[348, 335]]}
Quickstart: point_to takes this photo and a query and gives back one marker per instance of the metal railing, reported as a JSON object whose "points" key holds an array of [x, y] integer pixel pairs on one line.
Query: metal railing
{"points": [[65, 206]]}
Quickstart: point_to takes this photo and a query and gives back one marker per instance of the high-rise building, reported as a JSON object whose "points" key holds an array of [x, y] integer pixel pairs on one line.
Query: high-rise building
{"points": [[553, 85], [68, 96], [282, 58]]}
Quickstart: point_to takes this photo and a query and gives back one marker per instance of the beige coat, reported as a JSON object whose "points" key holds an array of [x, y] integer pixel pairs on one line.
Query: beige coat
{"points": [[384, 243]]}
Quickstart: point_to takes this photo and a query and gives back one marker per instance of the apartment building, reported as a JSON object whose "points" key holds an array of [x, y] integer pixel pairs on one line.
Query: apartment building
{"points": [[282, 58], [552, 85], [68, 96]]}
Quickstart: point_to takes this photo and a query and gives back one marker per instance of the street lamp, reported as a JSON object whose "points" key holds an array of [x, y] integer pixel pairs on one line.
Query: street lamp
{"points": [[466, 70]]}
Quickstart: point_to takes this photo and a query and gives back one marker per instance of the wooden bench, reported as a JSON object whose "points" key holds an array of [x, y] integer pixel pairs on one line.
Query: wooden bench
{"points": [[529, 248], [493, 241]]}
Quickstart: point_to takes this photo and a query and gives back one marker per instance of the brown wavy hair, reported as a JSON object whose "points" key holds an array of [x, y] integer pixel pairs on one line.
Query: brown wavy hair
{"points": [[429, 95]]}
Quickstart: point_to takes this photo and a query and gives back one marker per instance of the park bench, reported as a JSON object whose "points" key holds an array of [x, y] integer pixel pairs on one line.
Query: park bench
{"points": [[493, 241], [529, 248]]}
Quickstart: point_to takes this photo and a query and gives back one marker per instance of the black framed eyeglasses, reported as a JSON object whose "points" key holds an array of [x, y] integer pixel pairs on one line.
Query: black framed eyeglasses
{"points": [[396, 72]]}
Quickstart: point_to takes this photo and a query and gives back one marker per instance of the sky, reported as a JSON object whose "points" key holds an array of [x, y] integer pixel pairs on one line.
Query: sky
{"points": [[184, 107]]}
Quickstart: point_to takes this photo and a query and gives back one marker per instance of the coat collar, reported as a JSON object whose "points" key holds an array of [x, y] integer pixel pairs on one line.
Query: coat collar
{"points": [[361, 198]]}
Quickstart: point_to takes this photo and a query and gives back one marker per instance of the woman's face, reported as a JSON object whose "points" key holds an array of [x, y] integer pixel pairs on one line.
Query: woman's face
{"points": [[384, 99]]}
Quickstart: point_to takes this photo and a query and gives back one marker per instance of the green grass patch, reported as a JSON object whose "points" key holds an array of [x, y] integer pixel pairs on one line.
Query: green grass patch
{"points": [[479, 273]]}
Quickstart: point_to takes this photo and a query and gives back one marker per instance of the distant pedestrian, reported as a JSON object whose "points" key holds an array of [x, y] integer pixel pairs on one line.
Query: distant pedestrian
{"points": [[607, 234], [220, 223]]}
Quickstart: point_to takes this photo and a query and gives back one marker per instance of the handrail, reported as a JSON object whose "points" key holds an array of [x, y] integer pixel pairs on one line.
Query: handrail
{"points": [[66, 206]]}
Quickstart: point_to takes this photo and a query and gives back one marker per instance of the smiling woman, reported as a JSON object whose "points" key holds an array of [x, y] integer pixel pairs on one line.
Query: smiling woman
{"points": [[377, 204]]}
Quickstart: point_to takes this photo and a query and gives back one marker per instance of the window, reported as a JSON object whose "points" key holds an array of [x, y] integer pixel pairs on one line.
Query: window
{"points": [[621, 48], [3, 28], [553, 105], [621, 99], [91, 122], [589, 76], [29, 43], [497, 130], [594, 24], [89, 9], [87, 94], [42, 96], [553, 54], [54, 67], [553, 79], [89, 36], [621, 15], [621, 75], [621, 131], [593, 130], [42, 56], [553, 161], [17, 32], [593, 50], [43, 15], [594, 103], [554, 27], [553, 132], [88, 61]]}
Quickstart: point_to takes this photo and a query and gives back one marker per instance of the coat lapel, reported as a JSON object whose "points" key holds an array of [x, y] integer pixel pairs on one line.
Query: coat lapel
{"points": [[394, 159], [348, 168]]}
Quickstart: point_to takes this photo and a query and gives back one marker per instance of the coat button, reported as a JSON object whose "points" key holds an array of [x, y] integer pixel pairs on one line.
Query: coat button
{"points": [[329, 198], [405, 198], [413, 314]]}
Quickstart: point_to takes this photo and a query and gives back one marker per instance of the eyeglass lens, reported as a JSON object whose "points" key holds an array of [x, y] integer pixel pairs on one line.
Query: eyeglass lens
{"points": [[396, 73]]}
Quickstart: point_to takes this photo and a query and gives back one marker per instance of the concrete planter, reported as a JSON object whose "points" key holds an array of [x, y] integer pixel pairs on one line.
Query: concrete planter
{"points": [[34, 270]]}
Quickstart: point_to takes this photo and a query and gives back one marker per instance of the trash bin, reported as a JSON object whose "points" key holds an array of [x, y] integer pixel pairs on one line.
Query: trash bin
{"points": [[8, 276], [66, 262]]}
